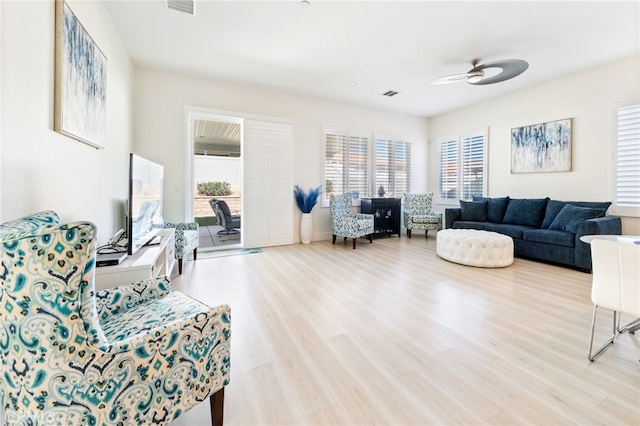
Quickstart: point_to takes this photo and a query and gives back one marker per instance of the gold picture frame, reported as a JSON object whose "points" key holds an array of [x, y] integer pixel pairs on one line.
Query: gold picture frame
{"points": [[80, 81]]}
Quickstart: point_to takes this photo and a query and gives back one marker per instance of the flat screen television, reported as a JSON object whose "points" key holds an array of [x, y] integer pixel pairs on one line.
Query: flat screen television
{"points": [[144, 205]]}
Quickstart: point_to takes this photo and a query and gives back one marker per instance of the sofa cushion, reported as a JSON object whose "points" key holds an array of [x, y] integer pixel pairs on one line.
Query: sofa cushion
{"points": [[554, 207], [570, 217], [495, 209], [514, 231], [552, 210], [603, 205], [462, 224], [525, 211], [549, 236], [475, 211]]}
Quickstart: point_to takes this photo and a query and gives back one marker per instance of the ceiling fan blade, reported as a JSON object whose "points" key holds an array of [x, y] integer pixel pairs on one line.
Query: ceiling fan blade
{"points": [[510, 68], [449, 79]]}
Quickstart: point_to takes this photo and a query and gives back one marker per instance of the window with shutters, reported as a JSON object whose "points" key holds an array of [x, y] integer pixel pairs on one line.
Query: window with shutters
{"points": [[346, 162], [462, 167], [626, 158], [392, 166]]}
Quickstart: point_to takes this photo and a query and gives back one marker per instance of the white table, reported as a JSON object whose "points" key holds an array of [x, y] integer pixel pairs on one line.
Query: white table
{"points": [[625, 239], [630, 239]]}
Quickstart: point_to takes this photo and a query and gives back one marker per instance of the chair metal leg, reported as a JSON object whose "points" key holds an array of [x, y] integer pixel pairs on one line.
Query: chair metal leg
{"points": [[616, 323], [195, 253], [180, 266], [632, 327], [217, 408]]}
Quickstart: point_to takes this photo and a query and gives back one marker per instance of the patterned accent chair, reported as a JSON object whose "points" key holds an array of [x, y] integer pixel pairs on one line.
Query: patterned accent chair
{"points": [[418, 213], [346, 223], [137, 354], [187, 240]]}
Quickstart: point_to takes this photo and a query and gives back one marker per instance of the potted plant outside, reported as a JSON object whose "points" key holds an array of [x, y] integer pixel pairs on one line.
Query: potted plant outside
{"points": [[305, 203]]}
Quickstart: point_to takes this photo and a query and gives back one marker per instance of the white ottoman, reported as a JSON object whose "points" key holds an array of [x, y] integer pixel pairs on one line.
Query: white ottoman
{"points": [[475, 248]]}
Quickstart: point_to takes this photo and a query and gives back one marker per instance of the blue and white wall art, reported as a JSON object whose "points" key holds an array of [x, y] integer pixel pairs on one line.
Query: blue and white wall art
{"points": [[81, 81], [544, 147]]}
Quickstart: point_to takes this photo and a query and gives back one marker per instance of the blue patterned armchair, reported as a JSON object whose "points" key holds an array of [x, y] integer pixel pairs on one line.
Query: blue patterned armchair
{"points": [[346, 223], [136, 354], [187, 240], [418, 213]]}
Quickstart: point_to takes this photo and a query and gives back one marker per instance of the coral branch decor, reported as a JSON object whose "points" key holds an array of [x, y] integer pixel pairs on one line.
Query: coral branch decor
{"points": [[305, 203]]}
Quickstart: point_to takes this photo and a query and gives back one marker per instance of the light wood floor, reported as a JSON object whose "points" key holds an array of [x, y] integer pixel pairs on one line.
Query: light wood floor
{"points": [[391, 334]]}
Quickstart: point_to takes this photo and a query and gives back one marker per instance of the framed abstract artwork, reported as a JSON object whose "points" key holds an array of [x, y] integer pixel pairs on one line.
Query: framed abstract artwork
{"points": [[544, 147], [80, 81]]}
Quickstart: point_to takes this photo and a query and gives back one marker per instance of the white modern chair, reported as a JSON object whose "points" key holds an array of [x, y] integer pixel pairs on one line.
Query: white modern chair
{"points": [[616, 285]]}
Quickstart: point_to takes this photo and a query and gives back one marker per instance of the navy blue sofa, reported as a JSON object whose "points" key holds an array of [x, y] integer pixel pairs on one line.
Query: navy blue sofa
{"points": [[542, 229]]}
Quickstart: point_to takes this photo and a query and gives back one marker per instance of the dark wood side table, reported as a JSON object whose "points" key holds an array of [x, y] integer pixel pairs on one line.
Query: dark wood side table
{"points": [[386, 214]]}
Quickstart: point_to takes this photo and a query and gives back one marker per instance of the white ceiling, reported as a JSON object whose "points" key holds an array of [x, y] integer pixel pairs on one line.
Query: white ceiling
{"points": [[319, 49]]}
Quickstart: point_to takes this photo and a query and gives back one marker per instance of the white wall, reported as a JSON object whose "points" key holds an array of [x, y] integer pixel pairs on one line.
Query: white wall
{"points": [[586, 97], [41, 169], [160, 130]]}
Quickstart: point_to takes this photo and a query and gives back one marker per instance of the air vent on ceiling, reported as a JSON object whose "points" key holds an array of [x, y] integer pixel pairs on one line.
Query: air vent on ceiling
{"points": [[186, 6], [390, 93]]}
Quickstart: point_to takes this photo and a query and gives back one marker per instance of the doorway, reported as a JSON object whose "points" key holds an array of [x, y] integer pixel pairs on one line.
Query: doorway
{"points": [[266, 201], [217, 177]]}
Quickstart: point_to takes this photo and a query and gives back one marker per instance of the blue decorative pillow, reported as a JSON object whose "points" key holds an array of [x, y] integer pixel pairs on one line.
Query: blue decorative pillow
{"points": [[553, 208], [473, 211], [570, 217], [525, 211], [495, 207]]}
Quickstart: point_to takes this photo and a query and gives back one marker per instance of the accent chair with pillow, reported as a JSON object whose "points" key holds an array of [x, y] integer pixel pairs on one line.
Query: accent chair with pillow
{"points": [[542, 229], [346, 223], [136, 354], [187, 240], [418, 214]]}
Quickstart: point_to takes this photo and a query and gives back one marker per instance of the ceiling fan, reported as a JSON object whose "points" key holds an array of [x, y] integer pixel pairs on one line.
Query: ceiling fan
{"points": [[509, 68]]}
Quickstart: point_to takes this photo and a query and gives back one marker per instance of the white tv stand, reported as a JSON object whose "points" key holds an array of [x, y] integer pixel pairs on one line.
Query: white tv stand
{"points": [[147, 262]]}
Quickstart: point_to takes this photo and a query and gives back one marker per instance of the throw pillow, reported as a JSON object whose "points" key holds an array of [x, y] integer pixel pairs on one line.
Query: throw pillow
{"points": [[570, 217], [473, 211], [525, 211], [553, 208], [495, 207]]}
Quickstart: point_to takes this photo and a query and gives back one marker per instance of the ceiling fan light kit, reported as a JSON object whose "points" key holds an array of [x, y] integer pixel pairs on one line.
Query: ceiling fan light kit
{"points": [[509, 68], [474, 76]]}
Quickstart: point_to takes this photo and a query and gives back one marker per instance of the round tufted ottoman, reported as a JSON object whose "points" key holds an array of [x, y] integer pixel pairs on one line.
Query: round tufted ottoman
{"points": [[475, 248]]}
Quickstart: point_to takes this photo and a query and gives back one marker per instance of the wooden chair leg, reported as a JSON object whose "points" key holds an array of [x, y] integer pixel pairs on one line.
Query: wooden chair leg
{"points": [[370, 238], [334, 240], [426, 231], [354, 243], [195, 253], [217, 408], [180, 266], [409, 233]]}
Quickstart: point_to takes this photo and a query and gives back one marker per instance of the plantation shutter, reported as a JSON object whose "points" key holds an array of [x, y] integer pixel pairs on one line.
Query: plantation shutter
{"points": [[627, 159], [402, 168], [448, 169], [383, 161], [267, 216], [472, 167], [358, 161], [393, 166], [346, 162]]}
